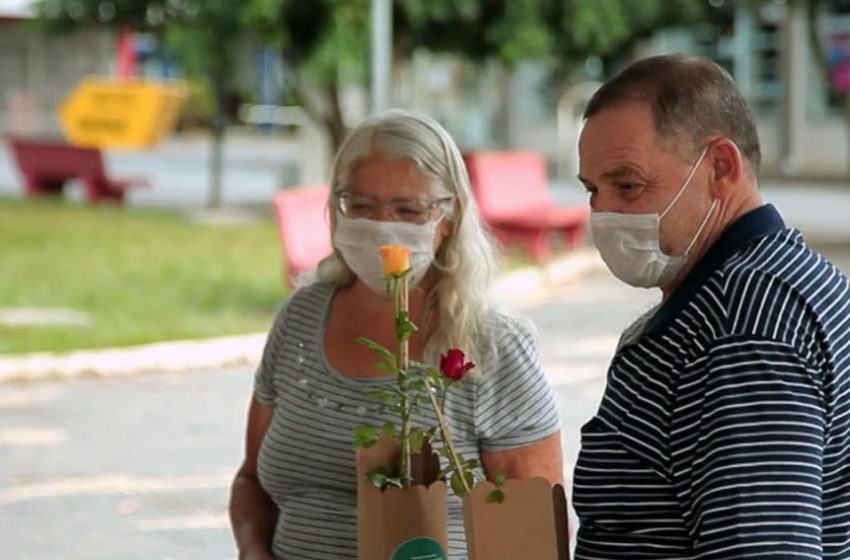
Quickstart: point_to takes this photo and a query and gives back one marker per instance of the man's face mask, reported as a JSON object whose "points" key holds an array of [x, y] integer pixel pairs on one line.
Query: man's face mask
{"points": [[630, 243]]}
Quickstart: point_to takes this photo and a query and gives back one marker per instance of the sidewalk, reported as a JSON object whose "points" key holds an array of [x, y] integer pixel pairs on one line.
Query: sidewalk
{"points": [[518, 289]]}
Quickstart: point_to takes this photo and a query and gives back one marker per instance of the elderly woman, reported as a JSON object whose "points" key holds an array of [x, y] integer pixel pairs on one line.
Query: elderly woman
{"points": [[398, 178]]}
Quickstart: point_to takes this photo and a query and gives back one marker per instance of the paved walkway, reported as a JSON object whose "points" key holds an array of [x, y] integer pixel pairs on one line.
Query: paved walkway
{"points": [[520, 289]]}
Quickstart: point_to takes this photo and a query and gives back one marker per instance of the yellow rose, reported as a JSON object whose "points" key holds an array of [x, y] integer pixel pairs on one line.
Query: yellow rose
{"points": [[396, 259]]}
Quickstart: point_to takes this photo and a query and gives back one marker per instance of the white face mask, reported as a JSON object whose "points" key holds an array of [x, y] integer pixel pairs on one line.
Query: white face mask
{"points": [[359, 241], [630, 245]]}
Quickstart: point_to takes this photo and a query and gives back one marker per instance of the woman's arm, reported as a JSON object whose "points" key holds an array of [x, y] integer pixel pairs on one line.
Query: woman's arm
{"points": [[542, 458], [253, 515]]}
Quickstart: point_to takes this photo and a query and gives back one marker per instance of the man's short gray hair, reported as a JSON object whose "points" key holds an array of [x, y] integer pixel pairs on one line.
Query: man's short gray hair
{"points": [[692, 100]]}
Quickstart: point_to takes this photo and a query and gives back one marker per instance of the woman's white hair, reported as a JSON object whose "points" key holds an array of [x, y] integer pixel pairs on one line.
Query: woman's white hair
{"points": [[465, 262]]}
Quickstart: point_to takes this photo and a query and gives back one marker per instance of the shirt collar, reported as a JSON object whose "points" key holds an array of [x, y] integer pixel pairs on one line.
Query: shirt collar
{"points": [[753, 225]]}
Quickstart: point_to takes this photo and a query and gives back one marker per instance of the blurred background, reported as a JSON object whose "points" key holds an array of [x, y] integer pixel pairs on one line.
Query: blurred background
{"points": [[147, 150]]}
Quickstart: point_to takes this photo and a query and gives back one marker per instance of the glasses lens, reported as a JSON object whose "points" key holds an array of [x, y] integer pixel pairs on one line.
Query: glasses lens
{"points": [[357, 206], [413, 211]]}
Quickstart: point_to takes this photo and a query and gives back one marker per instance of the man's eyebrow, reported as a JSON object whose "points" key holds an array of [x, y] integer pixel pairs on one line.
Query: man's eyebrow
{"points": [[622, 171]]}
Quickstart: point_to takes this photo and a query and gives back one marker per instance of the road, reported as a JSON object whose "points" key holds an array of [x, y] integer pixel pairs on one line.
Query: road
{"points": [[139, 467]]}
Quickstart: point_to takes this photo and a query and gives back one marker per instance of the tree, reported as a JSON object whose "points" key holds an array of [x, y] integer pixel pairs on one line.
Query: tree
{"points": [[325, 41], [202, 34]]}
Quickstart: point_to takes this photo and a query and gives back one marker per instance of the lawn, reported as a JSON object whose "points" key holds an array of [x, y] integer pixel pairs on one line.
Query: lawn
{"points": [[140, 275]]}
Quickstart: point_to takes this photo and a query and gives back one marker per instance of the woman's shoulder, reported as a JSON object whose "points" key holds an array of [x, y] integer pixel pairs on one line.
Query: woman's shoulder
{"points": [[311, 294], [308, 301], [506, 328], [507, 339]]}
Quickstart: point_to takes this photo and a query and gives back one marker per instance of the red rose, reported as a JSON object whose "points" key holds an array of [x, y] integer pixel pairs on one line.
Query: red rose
{"points": [[452, 364]]}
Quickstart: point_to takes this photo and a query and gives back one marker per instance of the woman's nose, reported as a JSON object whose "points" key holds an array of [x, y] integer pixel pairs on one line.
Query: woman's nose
{"points": [[382, 214]]}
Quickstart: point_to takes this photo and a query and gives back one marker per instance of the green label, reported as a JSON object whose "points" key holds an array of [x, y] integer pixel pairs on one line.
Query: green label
{"points": [[419, 549]]}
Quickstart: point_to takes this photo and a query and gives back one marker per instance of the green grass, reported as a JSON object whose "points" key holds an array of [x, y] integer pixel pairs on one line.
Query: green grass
{"points": [[142, 276]]}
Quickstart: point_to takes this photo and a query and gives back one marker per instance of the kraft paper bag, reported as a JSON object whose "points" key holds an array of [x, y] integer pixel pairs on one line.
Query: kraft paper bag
{"points": [[401, 524], [530, 522]]}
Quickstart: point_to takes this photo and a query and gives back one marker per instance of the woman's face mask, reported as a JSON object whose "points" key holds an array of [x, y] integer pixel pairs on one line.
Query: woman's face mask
{"points": [[359, 241]]}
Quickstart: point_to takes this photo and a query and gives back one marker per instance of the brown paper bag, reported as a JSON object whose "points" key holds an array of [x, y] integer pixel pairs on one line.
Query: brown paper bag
{"points": [[401, 524], [531, 521]]}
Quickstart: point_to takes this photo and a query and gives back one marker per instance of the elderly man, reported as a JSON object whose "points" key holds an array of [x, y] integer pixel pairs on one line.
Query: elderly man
{"points": [[724, 430]]}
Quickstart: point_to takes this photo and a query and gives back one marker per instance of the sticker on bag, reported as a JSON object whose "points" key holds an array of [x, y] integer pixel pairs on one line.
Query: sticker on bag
{"points": [[421, 548]]}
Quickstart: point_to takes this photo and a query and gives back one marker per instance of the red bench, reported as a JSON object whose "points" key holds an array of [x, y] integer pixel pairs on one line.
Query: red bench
{"points": [[47, 165], [302, 222], [512, 192]]}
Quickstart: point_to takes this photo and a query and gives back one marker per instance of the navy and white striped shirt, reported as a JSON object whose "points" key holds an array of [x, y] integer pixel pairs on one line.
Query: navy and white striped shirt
{"points": [[306, 462], [724, 430]]}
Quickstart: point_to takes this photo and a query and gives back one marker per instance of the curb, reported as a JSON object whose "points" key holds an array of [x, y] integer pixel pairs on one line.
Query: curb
{"points": [[519, 288]]}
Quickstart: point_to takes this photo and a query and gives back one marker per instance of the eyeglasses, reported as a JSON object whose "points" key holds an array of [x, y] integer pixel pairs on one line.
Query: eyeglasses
{"points": [[409, 210]]}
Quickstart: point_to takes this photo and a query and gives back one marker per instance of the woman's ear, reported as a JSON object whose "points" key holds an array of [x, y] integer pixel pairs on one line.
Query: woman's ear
{"points": [[727, 167]]}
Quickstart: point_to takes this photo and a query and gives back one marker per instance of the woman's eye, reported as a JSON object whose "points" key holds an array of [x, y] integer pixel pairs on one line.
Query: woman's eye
{"points": [[409, 212]]}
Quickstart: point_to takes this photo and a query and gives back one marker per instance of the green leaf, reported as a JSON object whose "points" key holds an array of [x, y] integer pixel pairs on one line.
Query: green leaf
{"points": [[496, 496], [499, 478], [377, 480], [386, 367], [398, 482], [457, 482], [377, 348], [365, 436], [381, 395], [417, 438], [388, 430], [430, 434], [403, 326]]}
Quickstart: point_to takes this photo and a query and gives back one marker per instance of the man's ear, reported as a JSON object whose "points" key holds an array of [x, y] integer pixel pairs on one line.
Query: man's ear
{"points": [[727, 167]]}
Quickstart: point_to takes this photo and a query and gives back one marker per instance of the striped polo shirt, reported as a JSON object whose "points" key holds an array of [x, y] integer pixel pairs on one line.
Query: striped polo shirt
{"points": [[724, 429], [306, 461]]}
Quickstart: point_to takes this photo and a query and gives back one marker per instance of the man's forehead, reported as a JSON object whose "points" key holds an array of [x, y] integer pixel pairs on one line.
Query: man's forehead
{"points": [[613, 161]]}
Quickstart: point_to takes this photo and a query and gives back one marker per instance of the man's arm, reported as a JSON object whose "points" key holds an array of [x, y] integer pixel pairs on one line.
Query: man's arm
{"points": [[748, 453]]}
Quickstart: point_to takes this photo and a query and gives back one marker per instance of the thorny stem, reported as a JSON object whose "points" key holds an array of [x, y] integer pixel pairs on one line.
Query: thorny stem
{"points": [[444, 429], [402, 305]]}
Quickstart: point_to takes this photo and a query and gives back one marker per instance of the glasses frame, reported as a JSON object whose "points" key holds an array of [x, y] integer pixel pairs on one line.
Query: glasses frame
{"points": [[428, 205]]}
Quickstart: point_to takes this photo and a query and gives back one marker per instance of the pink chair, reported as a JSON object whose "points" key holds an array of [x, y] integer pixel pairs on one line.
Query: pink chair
{"points": [[512, 192], [302, 222]]}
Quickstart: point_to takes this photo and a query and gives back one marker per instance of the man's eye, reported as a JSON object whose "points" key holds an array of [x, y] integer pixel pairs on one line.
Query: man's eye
{"points": [[627, 186]]}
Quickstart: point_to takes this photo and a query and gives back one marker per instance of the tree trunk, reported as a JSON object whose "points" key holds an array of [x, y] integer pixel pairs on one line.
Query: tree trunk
{"points": [[323, 107], [216, 165], [335, 121], [219, 127]]}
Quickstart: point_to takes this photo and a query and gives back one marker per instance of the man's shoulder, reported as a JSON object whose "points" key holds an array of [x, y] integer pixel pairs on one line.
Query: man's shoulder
{"points": [[777, 279], [782, 258]]}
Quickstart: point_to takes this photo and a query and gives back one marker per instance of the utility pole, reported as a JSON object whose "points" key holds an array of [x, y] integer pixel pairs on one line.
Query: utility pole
{"points": [[382, 49]]}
